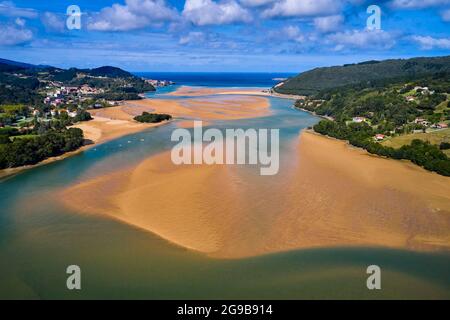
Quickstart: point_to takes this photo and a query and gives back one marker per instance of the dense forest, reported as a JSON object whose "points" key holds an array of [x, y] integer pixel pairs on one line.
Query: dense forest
{"points": [[152, 117], [19, 150], [316, 80]]}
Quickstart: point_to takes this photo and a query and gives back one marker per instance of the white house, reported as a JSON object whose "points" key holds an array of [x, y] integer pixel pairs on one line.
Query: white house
{"points": [[359, 119]]}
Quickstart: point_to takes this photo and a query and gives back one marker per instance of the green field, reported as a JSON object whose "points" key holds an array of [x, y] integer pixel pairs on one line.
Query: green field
{"points": [[434, 137]]}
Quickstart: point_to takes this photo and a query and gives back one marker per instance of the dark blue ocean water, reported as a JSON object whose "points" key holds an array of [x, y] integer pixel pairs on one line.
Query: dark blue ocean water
{"points": [[214, 79]]}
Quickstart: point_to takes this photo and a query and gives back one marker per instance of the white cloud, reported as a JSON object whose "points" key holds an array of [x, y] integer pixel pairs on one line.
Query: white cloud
{"points": [[256, 3], [192, 37], [12, 35], [304, 8], [362, 39], [20, 22], [8, 9], [208, 12], [293, 33], [328, 24], [53, 22], [417, 4], [135, 14], [446, 15], [429, 43]]}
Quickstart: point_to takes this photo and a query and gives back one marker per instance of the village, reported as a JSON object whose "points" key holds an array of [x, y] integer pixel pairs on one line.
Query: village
{"points": [[427, 124], [62, 101]]}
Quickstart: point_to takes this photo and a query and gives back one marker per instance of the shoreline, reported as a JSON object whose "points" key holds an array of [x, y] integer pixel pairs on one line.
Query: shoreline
{"points": [[314, 114]]}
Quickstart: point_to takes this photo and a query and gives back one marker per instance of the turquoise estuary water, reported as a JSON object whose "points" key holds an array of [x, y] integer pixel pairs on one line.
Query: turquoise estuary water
{"points": [[39, 238]]}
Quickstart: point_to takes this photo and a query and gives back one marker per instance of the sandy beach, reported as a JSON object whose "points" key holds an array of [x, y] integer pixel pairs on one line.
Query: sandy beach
{"points": [[188, 91], [211, 108], [354, 200]]}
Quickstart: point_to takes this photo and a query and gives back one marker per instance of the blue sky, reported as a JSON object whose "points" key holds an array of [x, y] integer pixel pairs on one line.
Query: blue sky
{"points": [[221, 35]]}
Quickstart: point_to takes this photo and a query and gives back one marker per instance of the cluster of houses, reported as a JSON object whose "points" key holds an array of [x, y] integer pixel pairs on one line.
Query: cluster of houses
{"points": [[427, 124], [59, 94], [159, 83], [421, 90], [359, 119], [419, 121], [52, 113]]}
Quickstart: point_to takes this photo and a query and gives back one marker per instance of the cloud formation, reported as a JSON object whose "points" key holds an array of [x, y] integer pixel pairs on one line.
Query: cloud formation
{"points": [[13, 35], [362, 39], [429, 43], [208, 12], [417, 4], [304, 8], [328, 24], [256, 3], [135, 14], [53, 22], [9, 9]]}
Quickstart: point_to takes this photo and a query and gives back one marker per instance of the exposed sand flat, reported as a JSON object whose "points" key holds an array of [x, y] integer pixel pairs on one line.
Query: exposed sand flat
{"points": [[344, 196], [218, 108], [188, 91], [332, 195], [113, 122], [102, 129]]}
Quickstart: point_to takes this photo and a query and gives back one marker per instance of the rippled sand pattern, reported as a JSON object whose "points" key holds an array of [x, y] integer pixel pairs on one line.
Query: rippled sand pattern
{"points": [[331, 196]]}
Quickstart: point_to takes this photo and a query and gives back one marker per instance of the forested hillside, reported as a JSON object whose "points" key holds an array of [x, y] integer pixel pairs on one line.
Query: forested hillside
{"points": [[365, 73]]}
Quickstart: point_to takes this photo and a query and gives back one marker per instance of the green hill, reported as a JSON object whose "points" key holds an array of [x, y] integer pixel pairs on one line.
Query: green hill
{"points": [[21, 82], [111, 72], [316, 80]]}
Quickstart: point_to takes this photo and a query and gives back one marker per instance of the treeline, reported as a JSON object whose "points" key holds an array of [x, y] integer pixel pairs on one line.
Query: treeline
{"points": [[419, 152], [118, 96], [27, 150], [152, 117]]}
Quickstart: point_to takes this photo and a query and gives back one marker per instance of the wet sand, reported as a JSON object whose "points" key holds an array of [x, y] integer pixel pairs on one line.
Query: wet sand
{"points": [[102, 129], [332, 195], [188, 91], [211, 108]]}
